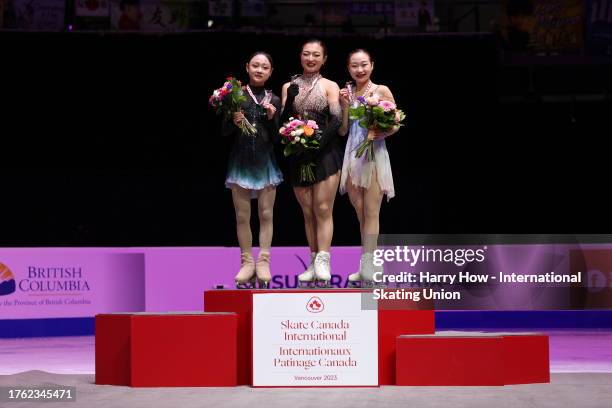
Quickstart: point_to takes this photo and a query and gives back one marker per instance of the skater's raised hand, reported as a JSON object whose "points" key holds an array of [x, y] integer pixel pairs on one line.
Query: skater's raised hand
{"points": [[270, 110], [344, 98]]}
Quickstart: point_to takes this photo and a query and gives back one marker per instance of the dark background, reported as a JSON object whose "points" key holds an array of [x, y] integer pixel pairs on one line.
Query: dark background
{"points": [[107, 140]]}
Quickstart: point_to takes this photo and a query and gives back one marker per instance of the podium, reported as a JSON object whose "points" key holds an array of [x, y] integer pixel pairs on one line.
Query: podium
{"points": [[166, 350], [307, 338], [389, 324], [472, 358]]}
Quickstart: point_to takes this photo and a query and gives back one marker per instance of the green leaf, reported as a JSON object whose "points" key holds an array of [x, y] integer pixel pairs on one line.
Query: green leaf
{"points": [[364, 123], [377, 110], [357, 113]]}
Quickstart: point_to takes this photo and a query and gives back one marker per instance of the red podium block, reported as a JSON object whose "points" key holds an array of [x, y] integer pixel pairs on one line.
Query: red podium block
{"points": [[526, 358], [472, 358], [241, 303], [391, 323], [394, 323], [166, 350]]}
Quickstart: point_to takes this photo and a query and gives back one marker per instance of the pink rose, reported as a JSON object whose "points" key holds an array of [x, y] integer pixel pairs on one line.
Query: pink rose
{"points": [[294, 123], [387, 105], [312, 124]]}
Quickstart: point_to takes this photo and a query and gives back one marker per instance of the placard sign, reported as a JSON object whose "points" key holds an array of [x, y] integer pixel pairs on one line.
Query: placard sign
{"points": [[314, 338]]}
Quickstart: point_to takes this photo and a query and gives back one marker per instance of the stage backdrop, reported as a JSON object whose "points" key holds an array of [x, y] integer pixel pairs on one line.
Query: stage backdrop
{"points": [[60, 283], [81, 282]]}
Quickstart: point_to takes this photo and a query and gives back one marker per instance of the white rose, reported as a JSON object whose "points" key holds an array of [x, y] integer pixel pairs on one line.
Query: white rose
{"points": [[294, 133], [299, 132], [281, 130], [296, 139], [303, 141]]}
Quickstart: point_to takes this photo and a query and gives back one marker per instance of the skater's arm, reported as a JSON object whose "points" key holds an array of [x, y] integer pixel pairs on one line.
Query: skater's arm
{"points": [[335, 115], [344, 104], [273, 123], [290, 91]]}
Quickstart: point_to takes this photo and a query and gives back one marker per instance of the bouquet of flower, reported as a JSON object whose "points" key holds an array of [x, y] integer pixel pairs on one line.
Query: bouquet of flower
{"points": [[299, 136], [374, 115], [227, 100]]}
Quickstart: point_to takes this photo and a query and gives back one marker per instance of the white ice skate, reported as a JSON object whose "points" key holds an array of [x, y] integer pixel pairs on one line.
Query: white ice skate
{"points": [[322, 269], [307, 278]]}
